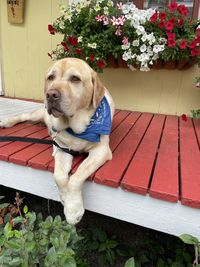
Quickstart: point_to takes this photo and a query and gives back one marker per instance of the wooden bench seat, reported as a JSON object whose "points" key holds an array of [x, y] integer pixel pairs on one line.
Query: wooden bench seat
{"points": [[154, 157]]}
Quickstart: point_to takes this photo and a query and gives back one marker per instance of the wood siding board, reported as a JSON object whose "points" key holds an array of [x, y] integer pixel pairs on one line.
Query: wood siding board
{"points": [[138, 174], [189, 165], [165, 182], [112, 171]]}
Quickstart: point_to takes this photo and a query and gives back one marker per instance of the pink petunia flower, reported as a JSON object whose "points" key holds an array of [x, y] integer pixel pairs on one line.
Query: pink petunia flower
{"points": [[118, 32], [125, 40], [184, 117], [99, 18], [120, 5]]}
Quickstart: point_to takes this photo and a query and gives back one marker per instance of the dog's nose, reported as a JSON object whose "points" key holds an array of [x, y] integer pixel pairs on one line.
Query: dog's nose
{"points": [[53, 95]]}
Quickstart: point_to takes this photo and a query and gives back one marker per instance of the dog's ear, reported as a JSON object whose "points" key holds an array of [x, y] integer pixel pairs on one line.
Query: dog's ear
{"points": [[98, 90]]}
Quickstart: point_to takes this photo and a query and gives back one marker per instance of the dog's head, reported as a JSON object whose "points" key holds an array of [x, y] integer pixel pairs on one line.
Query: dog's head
{"points": [[71, 85]]}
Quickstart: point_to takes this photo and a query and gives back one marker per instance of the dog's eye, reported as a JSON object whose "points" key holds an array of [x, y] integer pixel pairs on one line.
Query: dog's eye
{"points": [[74, 79], [51, 77]]}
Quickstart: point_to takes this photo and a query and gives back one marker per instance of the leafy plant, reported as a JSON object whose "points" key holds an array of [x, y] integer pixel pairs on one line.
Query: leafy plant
{"points": [[28, 240], [191, 240]]}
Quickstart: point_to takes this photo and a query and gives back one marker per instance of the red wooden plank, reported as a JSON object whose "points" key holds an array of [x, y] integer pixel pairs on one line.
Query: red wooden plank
{"points": [[14, 147], [112, 172], [138, 174], [42, 160], [118, 118], [120, 128], [197, 128], [165, 182], [29, 152], [189, 163], [12, 131]]}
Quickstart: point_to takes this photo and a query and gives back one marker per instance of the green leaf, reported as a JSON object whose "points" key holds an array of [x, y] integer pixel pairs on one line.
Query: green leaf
{"points": [[130, 263], [25, 209], [4, 205], [189, 239], [15, 262], [14, 244], [30, 246], [70, 262], [17, 233], [8, 230], [18, 219]]}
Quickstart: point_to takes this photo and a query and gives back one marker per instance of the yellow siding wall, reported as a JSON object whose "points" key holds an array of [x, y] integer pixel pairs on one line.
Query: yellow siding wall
{"points": [[25, 47], [25, 61]]}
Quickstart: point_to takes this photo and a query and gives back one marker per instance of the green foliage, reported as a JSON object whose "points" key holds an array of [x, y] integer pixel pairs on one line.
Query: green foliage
{"points": [[195, 113], [29, 240], [191, 240]]}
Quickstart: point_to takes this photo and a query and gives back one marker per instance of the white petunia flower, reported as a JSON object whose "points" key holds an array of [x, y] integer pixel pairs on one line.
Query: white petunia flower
{"points": [[105, 11], [80, 39], [127, 55], [143, 48], [110, 3], [62, 25], [93, 45], [125, 46], [136, 43], [140, 30], [97, 7]]}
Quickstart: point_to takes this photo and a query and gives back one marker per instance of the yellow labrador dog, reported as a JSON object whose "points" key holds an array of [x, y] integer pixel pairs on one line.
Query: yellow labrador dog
{"points": [[78, 113]]}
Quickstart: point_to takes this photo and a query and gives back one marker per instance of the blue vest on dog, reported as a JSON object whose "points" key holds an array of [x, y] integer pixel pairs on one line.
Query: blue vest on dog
{"points": [[100, 124]]}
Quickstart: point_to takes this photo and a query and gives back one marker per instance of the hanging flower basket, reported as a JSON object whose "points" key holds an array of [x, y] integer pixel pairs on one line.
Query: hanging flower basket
{"points": [[181, 63], [158, 64], [112, 62], [122, 63], [170, 64]]}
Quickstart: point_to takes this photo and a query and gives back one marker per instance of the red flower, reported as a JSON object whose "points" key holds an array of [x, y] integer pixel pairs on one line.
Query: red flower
{"points": [[183, 10], [172, 6], [161, 24], [73, 40], [183, 44], [184, 117], [195, 52], [180, 22], [169, 26], [162, 15], [51, 29], [171, 43], [91, 57], [173, 21], [101, 64], [171, 36], [193, 44], [78, 51], [198, 31], [66, 48], [154, 17]]}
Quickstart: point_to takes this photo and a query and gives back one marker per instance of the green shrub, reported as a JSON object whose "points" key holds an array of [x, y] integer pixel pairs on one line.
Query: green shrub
{"points": [[28, 240]]}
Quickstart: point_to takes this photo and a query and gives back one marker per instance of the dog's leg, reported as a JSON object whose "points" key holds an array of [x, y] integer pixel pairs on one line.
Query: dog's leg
{"points": [[63, 163], [73, 203], [37, 115]]}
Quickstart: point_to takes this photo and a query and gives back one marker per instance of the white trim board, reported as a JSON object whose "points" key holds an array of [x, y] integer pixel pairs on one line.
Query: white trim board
{"points": [[172, 218]]}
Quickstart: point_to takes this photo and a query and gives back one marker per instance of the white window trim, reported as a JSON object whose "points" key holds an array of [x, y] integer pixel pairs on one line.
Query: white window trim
{"points": [[1, 76]]}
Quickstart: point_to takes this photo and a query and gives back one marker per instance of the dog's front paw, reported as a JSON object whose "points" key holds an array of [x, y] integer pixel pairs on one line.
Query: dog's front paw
{"points": [[6, 123], [73, 208]]}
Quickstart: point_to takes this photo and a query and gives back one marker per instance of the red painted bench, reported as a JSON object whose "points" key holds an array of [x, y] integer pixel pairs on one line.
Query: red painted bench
{"points": [[152, 154]]}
